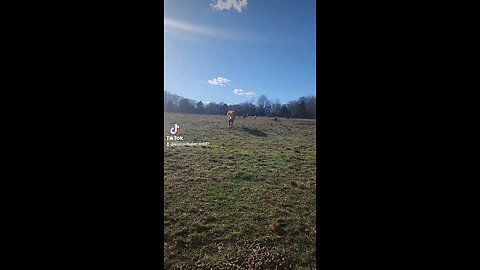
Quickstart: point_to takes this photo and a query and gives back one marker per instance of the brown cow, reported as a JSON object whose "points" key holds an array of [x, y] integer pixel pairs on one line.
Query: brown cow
{"points": [[230, 118]]}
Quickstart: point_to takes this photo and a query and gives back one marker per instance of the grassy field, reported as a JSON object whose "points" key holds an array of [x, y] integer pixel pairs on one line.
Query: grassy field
{"points": [[245, 201]]}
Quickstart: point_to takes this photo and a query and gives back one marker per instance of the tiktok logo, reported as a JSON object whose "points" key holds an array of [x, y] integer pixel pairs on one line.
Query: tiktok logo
{"points": [[174, 129]]}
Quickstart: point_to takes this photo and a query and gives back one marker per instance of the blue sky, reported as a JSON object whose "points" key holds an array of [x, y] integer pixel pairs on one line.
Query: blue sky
{"points": [[236, 50]]}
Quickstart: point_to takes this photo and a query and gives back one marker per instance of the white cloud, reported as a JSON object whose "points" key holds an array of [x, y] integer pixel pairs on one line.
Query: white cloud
{"points": [[172, 27], [240, 92], [219, 81], [228, 4], [196, 29]]}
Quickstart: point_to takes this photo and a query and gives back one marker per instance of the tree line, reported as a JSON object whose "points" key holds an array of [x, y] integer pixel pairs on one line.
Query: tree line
{"points": [[304, 107]]}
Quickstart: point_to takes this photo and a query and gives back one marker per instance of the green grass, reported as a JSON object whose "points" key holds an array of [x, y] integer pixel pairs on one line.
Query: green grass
{"points": [[246, 200], [241, 175]]}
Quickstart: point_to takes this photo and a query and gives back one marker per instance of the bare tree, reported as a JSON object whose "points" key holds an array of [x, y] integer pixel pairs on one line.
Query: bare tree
{"points": [[262, 103], [276, 107]]}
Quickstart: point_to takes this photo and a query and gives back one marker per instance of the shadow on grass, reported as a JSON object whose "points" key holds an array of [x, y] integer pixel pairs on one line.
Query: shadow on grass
{"points": [[240, 175], [255, 132]]}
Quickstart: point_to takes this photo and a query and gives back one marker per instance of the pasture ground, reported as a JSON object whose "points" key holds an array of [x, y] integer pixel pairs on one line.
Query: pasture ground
{"points": [[246, 201]]}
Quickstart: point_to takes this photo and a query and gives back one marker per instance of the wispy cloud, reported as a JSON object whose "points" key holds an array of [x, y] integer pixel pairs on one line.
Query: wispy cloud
{"points": [[240, 92], [228, 4], [219, 81], [201, 30]]}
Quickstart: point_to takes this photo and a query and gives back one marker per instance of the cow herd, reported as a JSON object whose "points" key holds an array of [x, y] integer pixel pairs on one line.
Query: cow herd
{"points": [[231, 115]]}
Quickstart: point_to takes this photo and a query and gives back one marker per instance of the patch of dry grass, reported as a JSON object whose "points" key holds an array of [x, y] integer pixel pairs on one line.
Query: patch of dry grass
{"points": [[246, 201]]}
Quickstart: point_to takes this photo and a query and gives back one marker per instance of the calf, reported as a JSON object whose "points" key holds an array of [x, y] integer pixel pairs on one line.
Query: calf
{"points": [[230, 118]]}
